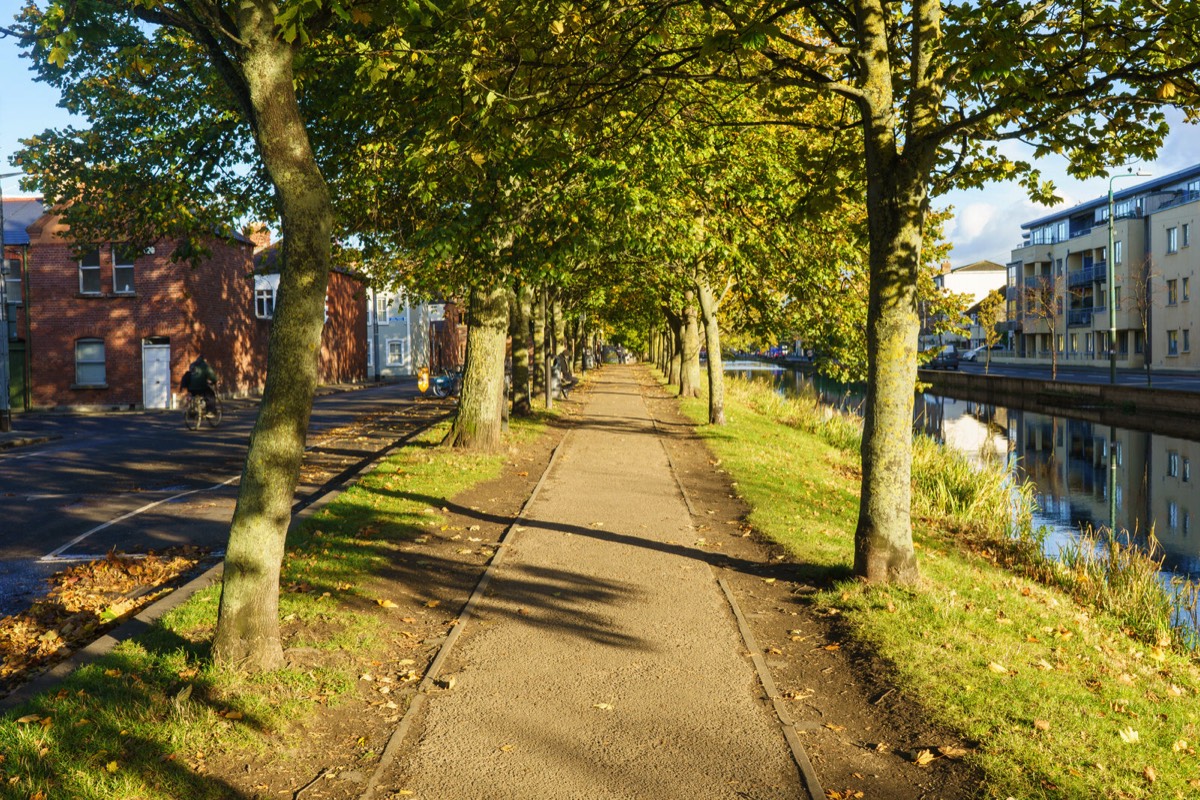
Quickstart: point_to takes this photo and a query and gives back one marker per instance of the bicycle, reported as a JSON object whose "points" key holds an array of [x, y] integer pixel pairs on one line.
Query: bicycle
{"points": [[197, 409]]}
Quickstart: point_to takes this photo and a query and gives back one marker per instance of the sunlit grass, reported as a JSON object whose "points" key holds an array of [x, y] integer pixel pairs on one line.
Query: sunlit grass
{"points": [[144, 720], [1063, 700]]}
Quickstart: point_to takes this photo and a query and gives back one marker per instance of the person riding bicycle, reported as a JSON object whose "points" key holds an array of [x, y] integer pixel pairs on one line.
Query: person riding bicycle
{"points": [[200, 380]]}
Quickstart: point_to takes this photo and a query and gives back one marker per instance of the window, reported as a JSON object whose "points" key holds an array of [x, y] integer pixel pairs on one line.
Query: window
{"points": [[1187, 340], [1172, 292], [1187, 291], [397, 351], [89, 362], [123, 258], [1139, 342], [12, 282], [265, 287], [1172, 343], [1172, 240], [89, 271], [382, 301], [1172, 464], [1187, 233], [1116, 298], [1187, 470], [1118, 252], [1173, 515], [1074, 342], [1119, 453], [1060, 343]]}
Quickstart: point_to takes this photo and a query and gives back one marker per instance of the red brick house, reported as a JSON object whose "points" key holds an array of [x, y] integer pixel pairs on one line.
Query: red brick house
{"points": [[100, 326]]}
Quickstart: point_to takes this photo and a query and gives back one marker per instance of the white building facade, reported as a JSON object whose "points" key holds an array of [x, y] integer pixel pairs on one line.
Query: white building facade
{"points": [[398, 334]]}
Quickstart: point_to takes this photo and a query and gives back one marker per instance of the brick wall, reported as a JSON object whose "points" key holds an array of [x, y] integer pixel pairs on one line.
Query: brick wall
{"points": [[344, 339], [207, 308]]}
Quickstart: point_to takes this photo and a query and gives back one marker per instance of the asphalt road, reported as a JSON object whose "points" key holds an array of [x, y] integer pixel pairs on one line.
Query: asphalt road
{"points": [[1069, 373], [142, 481]]}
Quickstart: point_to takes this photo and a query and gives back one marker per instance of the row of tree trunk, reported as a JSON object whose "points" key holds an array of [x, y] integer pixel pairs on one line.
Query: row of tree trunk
{"points": [[675, 347], [533, 319]]}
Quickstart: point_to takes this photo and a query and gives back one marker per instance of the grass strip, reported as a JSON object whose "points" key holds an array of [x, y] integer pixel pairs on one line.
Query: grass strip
{"points": [[1065, 699], [142, 721]]}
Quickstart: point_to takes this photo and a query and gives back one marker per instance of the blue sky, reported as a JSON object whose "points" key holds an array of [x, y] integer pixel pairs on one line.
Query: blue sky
{"points": [[986, 223]]}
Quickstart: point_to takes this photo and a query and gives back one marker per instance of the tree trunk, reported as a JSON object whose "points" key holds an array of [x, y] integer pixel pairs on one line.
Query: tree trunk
{"points": [[479, 421], [522, 389], [539, 342], [560, 327], [896, 194], [673, 347], [247, 634], [689, 376], [712, 341]]}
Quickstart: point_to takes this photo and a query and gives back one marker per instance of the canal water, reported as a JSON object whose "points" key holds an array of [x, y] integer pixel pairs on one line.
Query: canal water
{"points": [[1067, 460]]}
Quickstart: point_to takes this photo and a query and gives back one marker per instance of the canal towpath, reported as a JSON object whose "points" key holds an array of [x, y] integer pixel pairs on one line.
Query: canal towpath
{"points": [[614, 652]]}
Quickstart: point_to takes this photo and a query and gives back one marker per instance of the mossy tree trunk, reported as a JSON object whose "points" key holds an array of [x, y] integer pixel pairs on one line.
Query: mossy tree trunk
{"points": [[689, 376], [480, 419], [247, 634], [712, 341], [521, 345], [539, 342], [898, 199]]}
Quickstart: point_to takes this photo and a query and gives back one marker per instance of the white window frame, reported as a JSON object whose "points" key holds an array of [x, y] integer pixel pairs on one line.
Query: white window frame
{"points": [[1187, 234], [1172, 464], [118, 267], [266, 288], [1173, 343], [1172, 292], [1172, 240], [12, 282], [383, 302], [387, 348], [83, 364], [1118, 252], [89, 269]]}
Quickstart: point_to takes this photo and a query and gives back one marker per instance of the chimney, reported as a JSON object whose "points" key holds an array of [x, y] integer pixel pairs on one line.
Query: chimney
{"points": [[945, 264], [260, 234]]}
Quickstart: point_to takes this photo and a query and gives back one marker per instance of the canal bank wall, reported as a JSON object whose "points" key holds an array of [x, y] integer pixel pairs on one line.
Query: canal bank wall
{"points": [[1165, 411]]}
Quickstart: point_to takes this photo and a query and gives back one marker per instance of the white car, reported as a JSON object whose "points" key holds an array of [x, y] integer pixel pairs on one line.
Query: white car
{"points": [[974, 353]]}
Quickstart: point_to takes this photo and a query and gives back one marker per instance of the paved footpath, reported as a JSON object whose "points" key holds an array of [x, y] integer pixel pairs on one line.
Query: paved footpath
{"points": [[603, 662]]}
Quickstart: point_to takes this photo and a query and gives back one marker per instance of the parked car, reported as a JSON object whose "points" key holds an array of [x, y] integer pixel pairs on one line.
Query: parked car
{"points": [[974, 353], [945, 357]]}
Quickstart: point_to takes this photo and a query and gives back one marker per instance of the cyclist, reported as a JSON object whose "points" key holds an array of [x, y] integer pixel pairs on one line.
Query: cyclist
{"points": [[200, 380]]}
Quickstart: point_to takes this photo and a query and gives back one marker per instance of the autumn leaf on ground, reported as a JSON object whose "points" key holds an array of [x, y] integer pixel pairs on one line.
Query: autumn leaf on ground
{"points": [[603, 706], [835, 728], [1000, 669], [1129, 735], [953, 751], [1180, 746], [924, 758], [507, 748], [386, 604], [1149, 774], [1042, 724]]}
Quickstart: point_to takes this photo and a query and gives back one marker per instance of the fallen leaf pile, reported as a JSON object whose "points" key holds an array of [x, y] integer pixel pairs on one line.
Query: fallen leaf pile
{"points": [[84, 601]]}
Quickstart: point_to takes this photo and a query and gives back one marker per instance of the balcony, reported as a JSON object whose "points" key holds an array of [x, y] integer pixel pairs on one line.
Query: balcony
{"points": [[1081, 317], [1009, 325], [1036, 281], [1082, 277]]}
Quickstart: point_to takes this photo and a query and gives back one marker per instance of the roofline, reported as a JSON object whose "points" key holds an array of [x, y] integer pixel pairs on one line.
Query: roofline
{"points": [[1131, 191]]}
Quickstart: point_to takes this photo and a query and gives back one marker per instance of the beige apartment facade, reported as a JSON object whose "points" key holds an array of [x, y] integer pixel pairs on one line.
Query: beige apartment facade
{"points": [[1058, 280]]}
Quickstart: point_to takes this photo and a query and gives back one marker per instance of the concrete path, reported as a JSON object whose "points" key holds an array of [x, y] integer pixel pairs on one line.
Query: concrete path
{"points": [[604, 661]]}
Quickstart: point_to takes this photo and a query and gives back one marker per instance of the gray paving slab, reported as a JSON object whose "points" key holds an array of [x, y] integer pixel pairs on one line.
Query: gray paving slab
{"points": [[604, 662]]}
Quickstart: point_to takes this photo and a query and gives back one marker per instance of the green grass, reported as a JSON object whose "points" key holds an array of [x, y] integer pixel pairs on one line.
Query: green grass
{"points": [[1052, 688], [141, 722]]}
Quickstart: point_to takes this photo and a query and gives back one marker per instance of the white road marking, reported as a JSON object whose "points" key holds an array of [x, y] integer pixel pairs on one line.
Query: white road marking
{"points": [[56, 554]]}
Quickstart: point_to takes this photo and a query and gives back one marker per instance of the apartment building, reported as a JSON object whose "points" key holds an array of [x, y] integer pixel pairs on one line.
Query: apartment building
{"points": [[1058, 280], [399, 333]]}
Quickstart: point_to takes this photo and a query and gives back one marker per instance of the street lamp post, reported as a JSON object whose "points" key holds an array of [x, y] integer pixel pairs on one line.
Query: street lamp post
{"points": [[5, 410], [1112, 275]]}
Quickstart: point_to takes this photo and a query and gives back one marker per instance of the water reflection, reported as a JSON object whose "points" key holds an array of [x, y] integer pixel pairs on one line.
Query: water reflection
{"points": [[1085, 473]]}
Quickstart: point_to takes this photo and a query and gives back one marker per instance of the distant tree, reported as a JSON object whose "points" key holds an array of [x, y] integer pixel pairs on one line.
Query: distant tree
{"points": [[991, 308], [1141, 300], [1042, 305]]}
